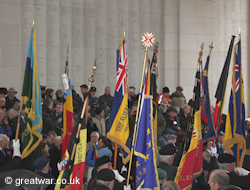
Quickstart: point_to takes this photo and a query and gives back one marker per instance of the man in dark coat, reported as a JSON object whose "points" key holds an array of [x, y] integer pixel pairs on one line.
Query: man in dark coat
{"points": [[105, 179], [11, 99], [237, 176], [167, 154], [106, 99]]}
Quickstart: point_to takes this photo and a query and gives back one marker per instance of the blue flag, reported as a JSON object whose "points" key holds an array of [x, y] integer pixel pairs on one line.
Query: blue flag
{"points": [[234, 141], [207, 128], [146, 169], [119, 125]]}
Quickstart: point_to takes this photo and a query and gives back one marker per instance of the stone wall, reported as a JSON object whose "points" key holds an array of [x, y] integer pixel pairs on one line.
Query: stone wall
{"points": [[93, 30]]}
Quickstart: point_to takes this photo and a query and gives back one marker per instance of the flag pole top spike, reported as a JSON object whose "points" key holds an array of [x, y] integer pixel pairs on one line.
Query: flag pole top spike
{"points": [[201, 52], [124, 34], [148, 39], [239, 33], [33, 24], [67, 56], [211, 46]]}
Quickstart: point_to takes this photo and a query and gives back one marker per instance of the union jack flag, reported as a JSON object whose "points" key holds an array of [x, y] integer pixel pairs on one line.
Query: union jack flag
{"points": [[122, 72]]}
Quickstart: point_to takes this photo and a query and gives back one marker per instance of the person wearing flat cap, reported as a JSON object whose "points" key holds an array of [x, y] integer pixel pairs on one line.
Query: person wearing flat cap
{"points": [[11, 98], [164, 138], [164, 97], [178, 99], [237, 176], [167, 155], [162, 174], [105, 179]]}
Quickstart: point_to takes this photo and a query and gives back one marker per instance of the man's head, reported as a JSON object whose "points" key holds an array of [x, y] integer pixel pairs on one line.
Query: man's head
{"points": [[106, 177], [12, 113], [186, 109], [172, 112], [41, 164], [220, 137], [92, 91], [170, 185], [107, 91], [226, 162], [94, 136], [168, 132], [12, 92], [2, 102], [217, 179], [179, 90], [84, 89], [4, 141], [165, 91], [131, 91], [58, 142], [100, 111], [51, 137], [103, 162], [59, 108], [59, 93], [3, 91], [167, 154], [162, 175], [2, 114]]}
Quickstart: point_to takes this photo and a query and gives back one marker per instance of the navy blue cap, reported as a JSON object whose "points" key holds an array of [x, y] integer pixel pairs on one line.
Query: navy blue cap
{"points": [[170, 131], [40, 162], [168, 149], [226, 158]]}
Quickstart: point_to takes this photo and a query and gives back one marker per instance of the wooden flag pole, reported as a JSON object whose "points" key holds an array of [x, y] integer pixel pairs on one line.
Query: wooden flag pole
{"points": [[147, 40], [18, 121]]}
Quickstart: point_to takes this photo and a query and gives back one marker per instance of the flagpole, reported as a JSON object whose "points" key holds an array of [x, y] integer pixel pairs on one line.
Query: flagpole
{"points": [[18, 121], [147, 40], [221, 105], [193, 98], [91, 80]]}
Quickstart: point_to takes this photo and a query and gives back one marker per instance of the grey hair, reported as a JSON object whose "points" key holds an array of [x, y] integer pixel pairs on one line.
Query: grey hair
{"points": [[171, 185], [95, 132], [101, 182], [15, 112], [2, 136], [223, 166], [220, 177], [58, 138], [165, 157]]}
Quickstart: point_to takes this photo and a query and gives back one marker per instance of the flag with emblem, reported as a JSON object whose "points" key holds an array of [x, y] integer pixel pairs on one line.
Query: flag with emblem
{"points": [[221, 88], [32, 101], [234, 140], [68, 122], [191, 163], [118, 128], [146, 168], [208, 127]]}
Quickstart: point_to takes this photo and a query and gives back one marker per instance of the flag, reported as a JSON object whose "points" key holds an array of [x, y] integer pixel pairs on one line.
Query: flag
{"points": [[208, 127], [191, 163], [68, 122], [146, 168], [119, 126], [73, 170], [32, 100], [221, 88], [234, 140]]}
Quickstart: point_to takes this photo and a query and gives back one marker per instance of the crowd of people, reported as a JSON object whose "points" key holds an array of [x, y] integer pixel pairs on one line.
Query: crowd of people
{"points": [[219, 170]]}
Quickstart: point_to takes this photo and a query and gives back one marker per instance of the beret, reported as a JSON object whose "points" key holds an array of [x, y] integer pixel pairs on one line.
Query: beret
{"points": [[171, 109], [165, 89], [106, 175], [179, 88], [172, 136], [3, 90], [226, 158], [162, 174], [168, 149], [102, 160], [40, 162]]}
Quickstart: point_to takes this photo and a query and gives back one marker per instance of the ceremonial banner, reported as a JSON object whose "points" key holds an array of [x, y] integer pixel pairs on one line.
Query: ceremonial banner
{"points": [[119, 126], [234, 140], [146, 168], [32, 100]]}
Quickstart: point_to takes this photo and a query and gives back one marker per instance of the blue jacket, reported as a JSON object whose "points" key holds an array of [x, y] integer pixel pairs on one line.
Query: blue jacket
{"points": [[90, 158]]}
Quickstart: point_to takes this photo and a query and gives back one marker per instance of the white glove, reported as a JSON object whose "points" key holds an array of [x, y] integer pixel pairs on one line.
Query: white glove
{"points": [[16, 148], [241, 171], [118, 177], [213, 151], [59, 166], [127, 188], [124, 169]]}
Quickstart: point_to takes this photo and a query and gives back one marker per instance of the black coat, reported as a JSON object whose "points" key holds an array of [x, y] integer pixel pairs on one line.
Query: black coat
{"points": [[55, 157], [10, 102], [7, 163], [240, 181]]}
